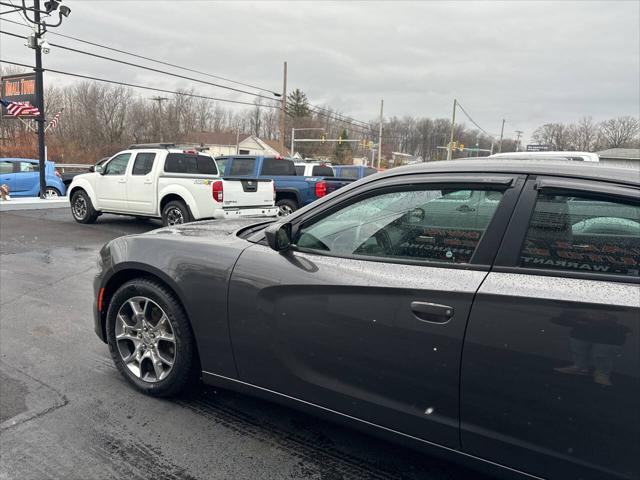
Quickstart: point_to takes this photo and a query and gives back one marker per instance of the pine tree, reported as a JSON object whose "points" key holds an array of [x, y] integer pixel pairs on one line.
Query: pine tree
{"points": [[297, 104]]}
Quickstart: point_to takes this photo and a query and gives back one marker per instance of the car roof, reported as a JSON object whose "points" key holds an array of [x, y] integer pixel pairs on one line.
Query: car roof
{"points": [[568, 168]]}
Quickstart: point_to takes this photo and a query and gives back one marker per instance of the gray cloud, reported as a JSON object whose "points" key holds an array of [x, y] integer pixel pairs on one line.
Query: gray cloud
{"points": [[529, 62]]}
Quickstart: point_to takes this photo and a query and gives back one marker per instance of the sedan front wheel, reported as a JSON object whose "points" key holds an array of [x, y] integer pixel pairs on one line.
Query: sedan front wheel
{"points": [[150, 338]]}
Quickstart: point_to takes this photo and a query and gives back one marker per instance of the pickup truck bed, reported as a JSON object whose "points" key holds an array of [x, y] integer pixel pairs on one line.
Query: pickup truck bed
{"points": [[292, 191]]}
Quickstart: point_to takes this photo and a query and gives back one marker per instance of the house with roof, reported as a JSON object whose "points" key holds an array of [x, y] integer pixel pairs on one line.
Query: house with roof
{"points": [[231, 143], [620, 157]]}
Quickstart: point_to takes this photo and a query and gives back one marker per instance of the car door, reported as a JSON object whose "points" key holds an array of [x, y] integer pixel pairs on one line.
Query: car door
{"points": [[365, 315], [551, 364], [111, 185], [140, 185], [27, 178], [7, 175]]}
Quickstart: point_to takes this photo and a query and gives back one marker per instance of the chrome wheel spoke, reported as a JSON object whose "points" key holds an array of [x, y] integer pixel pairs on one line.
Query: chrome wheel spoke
{"points": [[147, 346]]}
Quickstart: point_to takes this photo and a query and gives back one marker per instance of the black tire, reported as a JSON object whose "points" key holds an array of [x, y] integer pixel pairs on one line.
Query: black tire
{"points": [[82, 208], [174, 210], [186, 367], [286, 207]]}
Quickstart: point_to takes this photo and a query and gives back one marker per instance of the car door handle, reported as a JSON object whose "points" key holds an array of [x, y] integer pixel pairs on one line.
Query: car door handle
{"points": [[432, 312], [122, 180], [465, 208], [148, 182]]}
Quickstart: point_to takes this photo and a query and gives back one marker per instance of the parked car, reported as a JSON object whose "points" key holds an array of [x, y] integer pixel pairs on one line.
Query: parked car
{"points": [[292, 191], [22, 175], [175, 185], [508, 340], [353, 171], [313, 169]]}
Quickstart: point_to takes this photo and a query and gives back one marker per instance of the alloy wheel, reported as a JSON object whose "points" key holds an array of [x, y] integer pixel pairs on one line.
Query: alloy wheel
{"points": [[79, 207], [51, 193], [284, 210], [174, 216], [145, 339]]}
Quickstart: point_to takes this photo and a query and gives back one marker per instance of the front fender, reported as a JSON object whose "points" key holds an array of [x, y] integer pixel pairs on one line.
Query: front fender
{"points": [[84, 184], [183, 193]]}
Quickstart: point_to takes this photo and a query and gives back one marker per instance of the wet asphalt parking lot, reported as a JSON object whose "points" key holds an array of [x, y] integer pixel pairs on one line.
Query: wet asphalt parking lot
{"points": [[66, 413]]}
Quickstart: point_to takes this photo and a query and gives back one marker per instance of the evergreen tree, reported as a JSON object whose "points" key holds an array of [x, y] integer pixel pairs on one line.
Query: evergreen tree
{"points": [[298, 104]]}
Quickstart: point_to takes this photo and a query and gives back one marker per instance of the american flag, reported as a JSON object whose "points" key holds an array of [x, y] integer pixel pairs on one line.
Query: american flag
{"points": [[54, 121], [19, 108]]}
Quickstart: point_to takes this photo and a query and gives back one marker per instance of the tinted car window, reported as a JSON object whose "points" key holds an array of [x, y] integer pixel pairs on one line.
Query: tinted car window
{"points": [[190, 164], [583, 233], [117, 165], [242, 166], [274, 166], [28, 167], [6, 167], [413, 224], [322, 171], [369, 171], [300, 170], [143, 163], [222, 164], [346, 172]]}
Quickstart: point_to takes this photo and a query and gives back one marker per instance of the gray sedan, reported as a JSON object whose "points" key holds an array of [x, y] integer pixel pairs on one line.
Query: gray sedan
{"points": [[487, 311]]}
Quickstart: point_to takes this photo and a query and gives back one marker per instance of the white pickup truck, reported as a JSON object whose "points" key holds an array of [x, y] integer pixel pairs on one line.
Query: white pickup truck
{"points": [[176, 185]]}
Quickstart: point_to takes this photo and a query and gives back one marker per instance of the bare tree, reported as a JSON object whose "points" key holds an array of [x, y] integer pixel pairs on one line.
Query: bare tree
{"points": [[619, 132]]}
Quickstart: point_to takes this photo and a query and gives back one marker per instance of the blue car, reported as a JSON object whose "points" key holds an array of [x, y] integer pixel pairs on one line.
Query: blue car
{"points": [[23, 178]]}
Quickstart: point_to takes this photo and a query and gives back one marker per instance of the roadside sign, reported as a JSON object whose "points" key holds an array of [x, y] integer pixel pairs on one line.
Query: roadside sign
{"points": [[19, 88]]}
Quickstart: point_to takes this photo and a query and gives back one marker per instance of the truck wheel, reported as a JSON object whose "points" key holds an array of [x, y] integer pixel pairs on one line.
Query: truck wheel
{"points": [[175, 213], [286, 207], [82, 208]]}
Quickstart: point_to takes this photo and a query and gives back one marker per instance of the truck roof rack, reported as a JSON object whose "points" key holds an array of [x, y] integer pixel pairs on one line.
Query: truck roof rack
{"points": [[138, 146]]}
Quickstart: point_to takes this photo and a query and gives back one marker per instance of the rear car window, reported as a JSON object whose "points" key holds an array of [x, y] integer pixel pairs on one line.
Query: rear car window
{"points": [[242, 166], [322, 171], [143, 163], [191, 164], [28, 167], [299, 170], [369, 171], [583, 233], [274, 166], [346, 172]]}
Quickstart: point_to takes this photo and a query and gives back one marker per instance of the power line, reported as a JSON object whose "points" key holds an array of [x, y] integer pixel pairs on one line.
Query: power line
{"points": [[145, 68], [133, 85], [70, 37], [474, 122], [317, 108]]}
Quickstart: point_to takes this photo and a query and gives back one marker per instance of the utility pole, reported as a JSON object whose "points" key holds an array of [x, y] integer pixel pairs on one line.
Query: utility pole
{"points": [[40, 98], [160, 100], [283, 108], [518, 135], [380, 134], [35, 41], [453, 126], [501, 135]]}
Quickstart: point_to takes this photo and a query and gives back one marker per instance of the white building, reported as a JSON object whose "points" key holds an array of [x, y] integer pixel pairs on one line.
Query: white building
{"points": [[229, 143], [621, 157]]}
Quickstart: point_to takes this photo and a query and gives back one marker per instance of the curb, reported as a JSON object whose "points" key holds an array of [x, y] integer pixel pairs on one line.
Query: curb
{"points": [[33, 203]]}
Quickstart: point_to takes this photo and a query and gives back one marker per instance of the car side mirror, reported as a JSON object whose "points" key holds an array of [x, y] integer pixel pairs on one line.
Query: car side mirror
{"points": [[92, 168], [99, 169], [278, 236]]}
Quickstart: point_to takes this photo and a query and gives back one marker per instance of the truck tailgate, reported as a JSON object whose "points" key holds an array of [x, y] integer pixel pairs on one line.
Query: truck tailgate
{"points": [[247, 192]]}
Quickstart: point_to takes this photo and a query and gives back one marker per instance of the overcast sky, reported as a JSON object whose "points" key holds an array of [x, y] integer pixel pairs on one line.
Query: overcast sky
{"points": [[528, 62]]}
